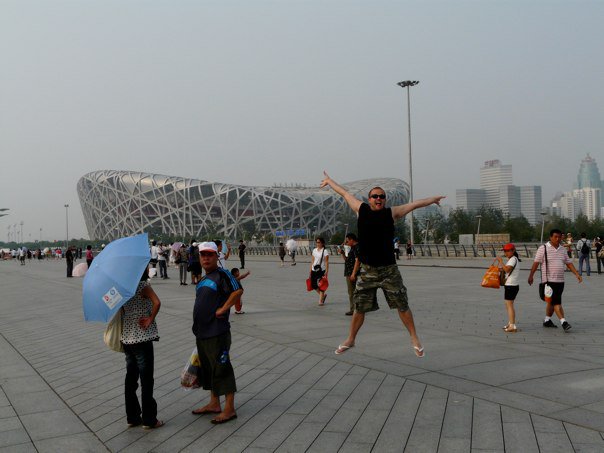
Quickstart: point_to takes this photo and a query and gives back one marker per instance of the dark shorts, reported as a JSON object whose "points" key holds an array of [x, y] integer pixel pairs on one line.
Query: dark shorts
{"points": [[389, 279], [558, 289], [215, 369], [511, 292]]}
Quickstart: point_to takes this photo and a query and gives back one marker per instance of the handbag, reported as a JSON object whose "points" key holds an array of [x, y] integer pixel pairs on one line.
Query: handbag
{"points": [[308, 284], [323, 284], [545, 291], [113, 333], [491, 277]]}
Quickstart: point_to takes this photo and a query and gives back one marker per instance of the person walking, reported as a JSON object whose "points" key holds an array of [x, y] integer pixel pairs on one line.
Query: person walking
{"points": [[194, 263], [241, 249], [89, 255], [599, 259], [139, 333], [162, 251], [409, 249], [319, 268], [351, 267], [378, 265], [511, 286], [282, 253], [69, 258], [216, 293], [583, 251], [182, 260], [397, 248], [553, 257], [154, 258], [222, 257]]}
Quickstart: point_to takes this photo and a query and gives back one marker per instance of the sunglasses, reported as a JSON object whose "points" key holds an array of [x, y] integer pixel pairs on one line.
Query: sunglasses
{"points": [[375, 196]]}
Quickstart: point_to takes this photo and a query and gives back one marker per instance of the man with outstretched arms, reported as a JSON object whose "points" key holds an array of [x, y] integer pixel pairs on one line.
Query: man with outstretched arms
{"points": [[378, 264]]}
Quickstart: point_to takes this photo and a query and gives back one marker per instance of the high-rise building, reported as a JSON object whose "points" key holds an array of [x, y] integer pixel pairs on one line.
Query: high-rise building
{"points": [[568, 206], [509, 200], [470, 199], [493, 175], [589, 175], [530, 203], [588, 201]]}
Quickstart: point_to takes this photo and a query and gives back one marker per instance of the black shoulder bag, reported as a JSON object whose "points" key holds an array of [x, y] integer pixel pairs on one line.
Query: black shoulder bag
{"points": [[543, 283]]}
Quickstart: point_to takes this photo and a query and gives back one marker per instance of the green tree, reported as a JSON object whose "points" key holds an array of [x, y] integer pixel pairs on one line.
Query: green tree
{"points": [[520, 229], [460, 222]]}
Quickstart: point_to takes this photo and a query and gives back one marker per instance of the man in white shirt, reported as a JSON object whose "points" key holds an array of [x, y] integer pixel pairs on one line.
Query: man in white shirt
{"points": [[553, 258], [162, 252]]}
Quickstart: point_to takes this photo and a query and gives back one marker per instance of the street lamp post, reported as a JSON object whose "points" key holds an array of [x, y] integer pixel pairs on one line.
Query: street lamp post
{"points": [[542, 224], [407, 84], [21, 223], [66, 225], [426, 232], [478, 229]]}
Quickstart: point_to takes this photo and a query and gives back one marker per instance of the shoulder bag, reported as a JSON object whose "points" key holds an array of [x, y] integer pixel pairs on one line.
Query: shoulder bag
{"points": [[491, 278], [545, 291], [113, 333]]}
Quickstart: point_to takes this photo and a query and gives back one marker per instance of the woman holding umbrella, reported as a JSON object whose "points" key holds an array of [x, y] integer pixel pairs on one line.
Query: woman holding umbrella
{"points": [[139, 333]]}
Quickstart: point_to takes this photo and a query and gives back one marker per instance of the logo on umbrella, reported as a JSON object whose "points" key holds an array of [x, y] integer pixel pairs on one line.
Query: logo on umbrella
{"points": [[112, 297]]}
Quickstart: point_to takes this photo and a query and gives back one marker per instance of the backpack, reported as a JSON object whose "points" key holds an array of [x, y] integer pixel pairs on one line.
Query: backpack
{"points": [[585, 248]]}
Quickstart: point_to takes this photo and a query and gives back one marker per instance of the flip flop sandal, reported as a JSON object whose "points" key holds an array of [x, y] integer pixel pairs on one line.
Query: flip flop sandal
{"points": [[419, 352], [204, 412], [342, 349]]}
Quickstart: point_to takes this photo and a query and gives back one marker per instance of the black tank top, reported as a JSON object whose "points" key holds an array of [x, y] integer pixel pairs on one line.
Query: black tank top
{"points": [[376, 233]]}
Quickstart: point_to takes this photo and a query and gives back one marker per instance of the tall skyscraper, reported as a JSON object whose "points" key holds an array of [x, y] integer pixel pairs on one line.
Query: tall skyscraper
{"points": [[509, 200], [530, 203], [470, 199], [589, 201], [589, 175], [493, 175]]}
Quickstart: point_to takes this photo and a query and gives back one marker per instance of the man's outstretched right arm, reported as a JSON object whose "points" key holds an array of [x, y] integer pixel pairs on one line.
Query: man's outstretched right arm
{"points": [[352, 201]]}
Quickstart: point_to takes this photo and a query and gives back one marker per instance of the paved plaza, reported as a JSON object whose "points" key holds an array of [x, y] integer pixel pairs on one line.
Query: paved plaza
{"points": [[477, 389]]}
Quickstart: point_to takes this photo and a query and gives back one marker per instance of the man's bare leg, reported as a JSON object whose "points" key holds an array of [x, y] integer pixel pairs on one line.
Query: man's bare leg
{"points": [[355, 325], [229, 408], [407, 319], [212, 407], [559, 311]]}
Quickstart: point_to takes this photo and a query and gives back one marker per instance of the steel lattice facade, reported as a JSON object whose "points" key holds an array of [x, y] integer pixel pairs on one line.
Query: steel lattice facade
{"points": [[121, 203]]}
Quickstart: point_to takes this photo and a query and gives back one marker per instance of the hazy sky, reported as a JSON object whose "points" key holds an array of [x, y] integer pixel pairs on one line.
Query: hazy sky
{"points": [[256, 92]]}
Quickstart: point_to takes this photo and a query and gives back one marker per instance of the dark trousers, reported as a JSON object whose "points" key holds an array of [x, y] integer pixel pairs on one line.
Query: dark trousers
{"points": [[139, 364], [599, 262], [163, 269], [242, 259], [69, 268]]}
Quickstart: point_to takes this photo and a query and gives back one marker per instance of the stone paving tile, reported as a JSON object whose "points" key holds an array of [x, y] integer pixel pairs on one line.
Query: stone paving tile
{"points": [[476, 389]]}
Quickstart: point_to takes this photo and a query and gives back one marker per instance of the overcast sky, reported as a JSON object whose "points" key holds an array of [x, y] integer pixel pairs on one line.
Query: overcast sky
{"points": [[256, 92]]}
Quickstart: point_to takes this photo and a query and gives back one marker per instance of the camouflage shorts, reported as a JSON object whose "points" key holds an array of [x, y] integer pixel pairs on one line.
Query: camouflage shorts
{"points": [[388, 278]]}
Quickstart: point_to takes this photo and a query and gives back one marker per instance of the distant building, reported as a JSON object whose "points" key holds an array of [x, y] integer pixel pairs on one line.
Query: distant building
{"points": [[531, 203], [585, 201], [509, 200], [589, 175], [493, 175], [497, 191], [470, 199]]}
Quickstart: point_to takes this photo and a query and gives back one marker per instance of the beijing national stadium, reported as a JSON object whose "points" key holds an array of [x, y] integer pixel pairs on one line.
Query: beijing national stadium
{"points": [[121, 203]]}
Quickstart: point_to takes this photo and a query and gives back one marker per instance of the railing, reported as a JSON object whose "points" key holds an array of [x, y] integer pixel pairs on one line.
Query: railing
{"points": [[525, 250]]}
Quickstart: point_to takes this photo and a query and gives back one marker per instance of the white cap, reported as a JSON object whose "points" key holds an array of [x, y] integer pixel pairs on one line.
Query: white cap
{"points": [[208, 247]]}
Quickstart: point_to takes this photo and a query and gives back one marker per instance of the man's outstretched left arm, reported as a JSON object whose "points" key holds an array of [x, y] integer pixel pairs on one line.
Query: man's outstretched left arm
{"points": [[404, 209]]}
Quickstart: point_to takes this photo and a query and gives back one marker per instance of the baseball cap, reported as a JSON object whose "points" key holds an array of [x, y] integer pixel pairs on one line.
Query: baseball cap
{"points": [[208, 247], [508, 246]]}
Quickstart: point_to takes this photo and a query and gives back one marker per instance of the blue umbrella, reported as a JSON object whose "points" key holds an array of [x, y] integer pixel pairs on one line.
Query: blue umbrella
{"points": [[114, 276]]}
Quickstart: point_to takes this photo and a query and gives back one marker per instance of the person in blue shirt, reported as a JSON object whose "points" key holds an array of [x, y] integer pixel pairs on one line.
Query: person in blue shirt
{"points": [[216, 293]]}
